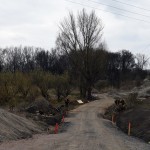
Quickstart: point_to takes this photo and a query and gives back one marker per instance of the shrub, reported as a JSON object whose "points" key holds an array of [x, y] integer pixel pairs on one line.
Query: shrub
{"points": [[8, 88], [43, 80], [18, 87], [132, 100], [101, 84], [23, 82], [138, 82], [34, 92], [62, 86]]}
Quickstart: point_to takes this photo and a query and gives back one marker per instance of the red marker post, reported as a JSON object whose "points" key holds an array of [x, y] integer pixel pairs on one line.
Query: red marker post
{"points": [[56, 128]]}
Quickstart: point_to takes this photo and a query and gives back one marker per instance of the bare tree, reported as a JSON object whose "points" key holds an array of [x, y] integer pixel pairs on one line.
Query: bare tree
{"points": [[80, 38], [127, 61], [1, 59], [28, 54], [142, 61], [14, 59], [113, 68]]}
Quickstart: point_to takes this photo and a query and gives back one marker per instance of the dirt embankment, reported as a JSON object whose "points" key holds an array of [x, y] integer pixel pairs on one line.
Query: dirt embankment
{"points": [[139, 117], [13, 127], [38, 119]]}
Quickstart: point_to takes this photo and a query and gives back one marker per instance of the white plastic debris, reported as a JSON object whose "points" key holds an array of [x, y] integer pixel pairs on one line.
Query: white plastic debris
{"points": [[80, 101]]}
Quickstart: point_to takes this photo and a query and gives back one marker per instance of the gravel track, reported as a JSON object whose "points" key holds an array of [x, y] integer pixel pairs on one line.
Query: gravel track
{"points": [[87, 130]]}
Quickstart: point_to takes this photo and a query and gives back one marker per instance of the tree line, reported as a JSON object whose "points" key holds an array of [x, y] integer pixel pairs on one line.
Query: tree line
{"points": [[26, 59], [115, 67]]}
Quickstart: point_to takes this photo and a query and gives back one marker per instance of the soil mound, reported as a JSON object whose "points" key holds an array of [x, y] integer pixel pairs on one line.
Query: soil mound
{"points": [[41, 105], [13, 127]]}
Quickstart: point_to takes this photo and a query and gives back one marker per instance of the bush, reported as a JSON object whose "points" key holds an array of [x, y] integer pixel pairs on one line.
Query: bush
{"points": [[132, 100], [34, 92], [43, 80], [18, 87], [138, 81], [8, 88], [62, 86], [23, 83], [101, 84]]}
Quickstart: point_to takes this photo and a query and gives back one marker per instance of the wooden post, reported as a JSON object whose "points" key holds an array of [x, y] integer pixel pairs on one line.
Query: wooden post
{"points": [[129, 129], [112, 119]]}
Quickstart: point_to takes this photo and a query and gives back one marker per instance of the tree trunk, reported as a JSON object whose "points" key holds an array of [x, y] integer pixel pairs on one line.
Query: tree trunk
{"points": [[82, 92], [89, 93]]}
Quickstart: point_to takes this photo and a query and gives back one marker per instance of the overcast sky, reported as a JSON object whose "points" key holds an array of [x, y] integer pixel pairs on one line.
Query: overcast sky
{"points": [[35, 22]]}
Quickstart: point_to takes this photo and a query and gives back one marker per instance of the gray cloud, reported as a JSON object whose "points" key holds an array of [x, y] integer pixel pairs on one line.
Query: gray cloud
{"points": [[35, 23]]}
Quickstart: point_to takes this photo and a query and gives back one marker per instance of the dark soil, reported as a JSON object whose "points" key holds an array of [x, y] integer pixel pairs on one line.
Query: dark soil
{"points": [[139, 117], [140, 123]]}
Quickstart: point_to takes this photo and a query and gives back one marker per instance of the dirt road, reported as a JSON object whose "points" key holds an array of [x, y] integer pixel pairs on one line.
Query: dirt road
{"points": [[86, 130]]}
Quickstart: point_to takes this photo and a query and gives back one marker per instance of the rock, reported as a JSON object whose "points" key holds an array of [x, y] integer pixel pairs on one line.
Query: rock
{"points": [[41, 109], [52, 120], [42, 106], [32, 109]]}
